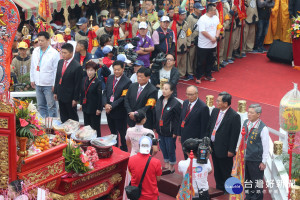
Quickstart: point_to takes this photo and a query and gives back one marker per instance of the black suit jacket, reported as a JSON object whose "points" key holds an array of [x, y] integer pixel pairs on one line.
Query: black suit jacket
{"points": [[132, 105], [227, 134], [196, 122], [69, 89], [93, 96], [118, 109]]}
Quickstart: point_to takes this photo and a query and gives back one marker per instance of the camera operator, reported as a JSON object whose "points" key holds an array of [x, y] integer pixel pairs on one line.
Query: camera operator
{"points": [[168, 71], [200, 171], [136, 66], [145, 46]]}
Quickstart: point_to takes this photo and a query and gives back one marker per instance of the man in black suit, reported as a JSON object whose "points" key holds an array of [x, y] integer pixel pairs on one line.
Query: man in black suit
{"points": [[194, 117], [223, 129], [113, 99], [141, 96], [67, 84]]}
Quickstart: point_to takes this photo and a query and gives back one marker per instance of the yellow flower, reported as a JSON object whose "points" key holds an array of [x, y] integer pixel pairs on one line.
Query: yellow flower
{"points": [[296, 27], [298, 18]]}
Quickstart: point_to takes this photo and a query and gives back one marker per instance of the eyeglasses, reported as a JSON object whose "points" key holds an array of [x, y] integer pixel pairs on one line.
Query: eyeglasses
{"points": [[170, 59]]}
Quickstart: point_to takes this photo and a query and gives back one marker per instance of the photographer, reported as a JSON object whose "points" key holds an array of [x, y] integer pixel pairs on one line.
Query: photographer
{"points": [[200, 174], [136, 66], [168, 71], [145, 46]]}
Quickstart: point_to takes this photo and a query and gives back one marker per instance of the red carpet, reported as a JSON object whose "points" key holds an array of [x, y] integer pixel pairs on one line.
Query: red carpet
{"points": [[254, 79]]}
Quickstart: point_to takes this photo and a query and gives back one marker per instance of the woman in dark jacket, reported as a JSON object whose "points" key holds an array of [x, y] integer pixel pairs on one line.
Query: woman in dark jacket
{"points": [[167, 113], [91, 97]]}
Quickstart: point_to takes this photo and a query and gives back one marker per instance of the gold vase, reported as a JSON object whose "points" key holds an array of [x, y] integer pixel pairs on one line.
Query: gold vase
{"points": [[22, 151]]}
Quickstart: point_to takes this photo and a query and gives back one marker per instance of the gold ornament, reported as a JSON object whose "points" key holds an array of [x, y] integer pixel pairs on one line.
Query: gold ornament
{"points": [[1, 21], [277, 149], [295, 192], [4, 170], [242, 106], [210, 100]]}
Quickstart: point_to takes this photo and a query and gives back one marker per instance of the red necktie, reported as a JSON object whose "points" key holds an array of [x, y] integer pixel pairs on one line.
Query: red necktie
{"points": [[64, 68]]}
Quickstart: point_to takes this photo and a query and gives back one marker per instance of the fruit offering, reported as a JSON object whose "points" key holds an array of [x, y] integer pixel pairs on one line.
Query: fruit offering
{"points": [[57, 140], [42, 142]]}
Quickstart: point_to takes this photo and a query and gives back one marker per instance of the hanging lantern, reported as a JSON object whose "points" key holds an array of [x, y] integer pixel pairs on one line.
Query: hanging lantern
{"points": [[289, 112], [277, 149]]}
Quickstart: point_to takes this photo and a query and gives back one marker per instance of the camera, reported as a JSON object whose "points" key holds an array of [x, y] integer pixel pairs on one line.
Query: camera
{"points": [[129, 52], [200, 146], [158, 62], [154, 140]]}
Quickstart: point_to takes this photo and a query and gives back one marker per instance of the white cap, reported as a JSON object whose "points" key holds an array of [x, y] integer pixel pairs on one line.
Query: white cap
{"points": [[122, 57], [164, 19], [145, 145], [143, 25]]}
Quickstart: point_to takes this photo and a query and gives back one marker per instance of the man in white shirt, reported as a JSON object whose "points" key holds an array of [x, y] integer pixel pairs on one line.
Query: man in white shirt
{"points": [[207, 42], [44, 62], [200, 171], [256, 154]]}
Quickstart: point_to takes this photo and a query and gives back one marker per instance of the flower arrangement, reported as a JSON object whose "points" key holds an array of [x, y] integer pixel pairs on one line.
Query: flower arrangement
{"points": [[295, 30], [27, 124], [75, 159], [92, 155]]}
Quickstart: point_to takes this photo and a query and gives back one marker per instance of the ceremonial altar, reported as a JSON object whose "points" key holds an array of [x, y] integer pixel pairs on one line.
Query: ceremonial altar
{"points": [[46, 169]]}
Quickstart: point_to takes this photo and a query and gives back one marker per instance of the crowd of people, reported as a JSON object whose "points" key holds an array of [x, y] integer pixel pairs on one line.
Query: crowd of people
{"points": [[93, 73]]}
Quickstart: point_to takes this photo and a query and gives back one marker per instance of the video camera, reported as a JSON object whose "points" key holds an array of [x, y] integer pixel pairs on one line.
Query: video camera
{"points": [[201, 146], [158, 62], [129, 52]]}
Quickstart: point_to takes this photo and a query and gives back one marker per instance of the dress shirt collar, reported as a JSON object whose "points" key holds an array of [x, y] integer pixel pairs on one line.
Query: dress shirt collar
{"points": [[68, 61], [193, 103], [117, 79], [143, 85], [256, 123], [224, 111]]}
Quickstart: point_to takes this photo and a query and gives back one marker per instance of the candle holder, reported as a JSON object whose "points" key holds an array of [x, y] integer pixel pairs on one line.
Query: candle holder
{"points": [[210, 100], [277, 150]]}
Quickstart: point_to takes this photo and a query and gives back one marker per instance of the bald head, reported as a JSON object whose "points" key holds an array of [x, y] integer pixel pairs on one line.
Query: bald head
{"points": [[192, 93]]}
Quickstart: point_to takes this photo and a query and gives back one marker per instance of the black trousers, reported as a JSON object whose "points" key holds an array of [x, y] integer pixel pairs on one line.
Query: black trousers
{"points": [[94, 121], [118, 126], [222, 170], [66, 111], [253, 173], [203, 195], [205, 62]]}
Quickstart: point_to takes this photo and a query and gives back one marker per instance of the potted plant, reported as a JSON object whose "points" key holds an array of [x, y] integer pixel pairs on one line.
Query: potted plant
{"points": [[295, 166]]}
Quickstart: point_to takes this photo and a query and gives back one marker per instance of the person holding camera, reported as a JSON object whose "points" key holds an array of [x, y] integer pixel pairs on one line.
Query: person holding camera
{"points": [[133, 136], [136, 66], [145, 45], [113, 100], [141, 96], [141, 162], [168, 72], [201, 170], [167, 112]]}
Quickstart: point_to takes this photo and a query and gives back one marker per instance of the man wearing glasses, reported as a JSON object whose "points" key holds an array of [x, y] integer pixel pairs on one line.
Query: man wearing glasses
{"points": [[194, 117], [168, 72]]}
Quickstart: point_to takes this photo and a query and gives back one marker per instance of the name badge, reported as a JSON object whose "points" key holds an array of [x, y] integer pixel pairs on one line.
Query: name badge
{"points": [[112, 98], [182, 124], [84, 101], [38, 68], [161, 123]]}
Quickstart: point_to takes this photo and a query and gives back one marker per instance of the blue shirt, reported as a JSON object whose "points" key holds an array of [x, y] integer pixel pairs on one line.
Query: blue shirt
{"points": [[99, 53]]}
